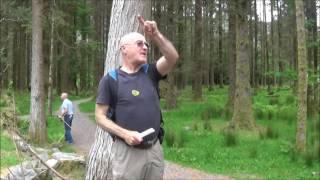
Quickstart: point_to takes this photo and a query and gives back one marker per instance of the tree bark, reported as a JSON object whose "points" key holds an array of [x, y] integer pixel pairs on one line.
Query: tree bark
{"points": [[256, 74], [37, 128], [280, 61], [232, 57], [197, 58], [242, 114], [301, 133], [123, 20], [171, 95]]}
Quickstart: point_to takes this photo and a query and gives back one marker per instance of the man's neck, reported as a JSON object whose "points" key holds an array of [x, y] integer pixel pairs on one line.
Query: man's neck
{"points": [[130, 68]]}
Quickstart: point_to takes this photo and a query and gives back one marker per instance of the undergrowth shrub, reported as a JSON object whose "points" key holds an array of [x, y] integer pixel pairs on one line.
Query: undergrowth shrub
{"points": [[274, 100], [176, 139], [207, 125], [309, 158], [230, 138], [290, 99], [287, 113], [169, 137], [271, 133], [194, 126], [253, 153]]}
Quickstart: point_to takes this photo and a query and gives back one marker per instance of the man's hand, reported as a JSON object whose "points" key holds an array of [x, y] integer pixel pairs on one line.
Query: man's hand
{"points": [[133, 138], [150, 28]]}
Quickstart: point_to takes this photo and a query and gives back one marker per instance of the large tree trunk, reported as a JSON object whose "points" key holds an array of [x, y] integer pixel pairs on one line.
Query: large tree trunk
{"points": [[37, 128], [301, 134], [242, 114], [123, 20]]}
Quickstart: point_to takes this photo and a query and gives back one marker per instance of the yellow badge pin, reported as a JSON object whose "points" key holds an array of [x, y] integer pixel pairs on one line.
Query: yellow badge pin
{"points": [[135, 92]]}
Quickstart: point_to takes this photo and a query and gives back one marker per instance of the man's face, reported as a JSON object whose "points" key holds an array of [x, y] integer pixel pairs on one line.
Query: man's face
{"points": [[136, 49]]}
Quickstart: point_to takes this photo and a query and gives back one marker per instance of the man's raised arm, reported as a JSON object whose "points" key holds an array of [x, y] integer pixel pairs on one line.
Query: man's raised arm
{"points": [[170, 54]]}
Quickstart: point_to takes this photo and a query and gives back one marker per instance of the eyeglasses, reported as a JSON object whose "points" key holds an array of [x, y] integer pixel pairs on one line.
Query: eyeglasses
{"points": [[141, 44]]}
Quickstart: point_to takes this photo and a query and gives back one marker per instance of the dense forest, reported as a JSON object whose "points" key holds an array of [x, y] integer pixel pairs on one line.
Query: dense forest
{"points": [[48, 47]]}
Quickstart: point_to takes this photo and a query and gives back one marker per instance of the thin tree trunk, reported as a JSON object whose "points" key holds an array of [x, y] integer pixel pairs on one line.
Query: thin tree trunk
{"points": [[301, 133], [257, 77], [220, 45], [51, 64], [280, 61], [272, 47], [171, 95], [10, 53], [99, 159], [197, 59], [37, 128], [180, 46]]}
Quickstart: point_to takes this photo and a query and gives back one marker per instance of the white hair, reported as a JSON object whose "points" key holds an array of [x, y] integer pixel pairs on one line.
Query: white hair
{"points": [[128, 37]]}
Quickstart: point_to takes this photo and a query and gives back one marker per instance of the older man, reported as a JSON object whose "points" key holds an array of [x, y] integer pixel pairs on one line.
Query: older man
{"points": [[66, 113], [137, 107]]}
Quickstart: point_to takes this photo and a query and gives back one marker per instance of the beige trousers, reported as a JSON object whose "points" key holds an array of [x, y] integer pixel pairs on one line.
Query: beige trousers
{"points": [[130, 163]]}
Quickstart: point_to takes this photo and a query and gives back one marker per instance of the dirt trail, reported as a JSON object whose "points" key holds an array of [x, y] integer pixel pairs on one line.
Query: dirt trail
{"points": [[83, 132]]}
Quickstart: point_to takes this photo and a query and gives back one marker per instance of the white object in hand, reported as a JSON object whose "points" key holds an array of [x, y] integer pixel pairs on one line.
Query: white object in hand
{"points": [[147, 132]]}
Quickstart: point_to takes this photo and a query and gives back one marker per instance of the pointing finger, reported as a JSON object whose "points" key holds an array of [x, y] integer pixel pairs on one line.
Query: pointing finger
{"points": [[141, 20]]}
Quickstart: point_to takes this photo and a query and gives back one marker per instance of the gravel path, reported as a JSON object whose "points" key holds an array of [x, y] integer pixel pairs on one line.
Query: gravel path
{"points": [[83, 132]]}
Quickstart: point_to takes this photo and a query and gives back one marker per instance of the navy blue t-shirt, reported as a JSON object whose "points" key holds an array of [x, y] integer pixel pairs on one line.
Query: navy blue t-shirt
{"points": [[137, 106]]}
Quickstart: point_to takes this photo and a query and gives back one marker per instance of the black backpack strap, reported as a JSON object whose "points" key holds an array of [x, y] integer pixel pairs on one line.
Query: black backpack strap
{"points": [[113, 85]]}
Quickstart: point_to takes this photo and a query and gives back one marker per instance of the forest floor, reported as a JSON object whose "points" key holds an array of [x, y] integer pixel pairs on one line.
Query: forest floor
{"points": [[83, 132]]}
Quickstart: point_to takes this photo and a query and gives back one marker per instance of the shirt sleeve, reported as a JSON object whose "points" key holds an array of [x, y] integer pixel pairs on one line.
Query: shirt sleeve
{"points": [[104, 93], [154, 73]]}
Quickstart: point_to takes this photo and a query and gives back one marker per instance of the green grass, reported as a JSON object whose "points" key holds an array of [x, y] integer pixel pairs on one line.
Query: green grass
{"points": [[22, 99], [88, 107], [268, 158], [8, 154], [194, 137]]}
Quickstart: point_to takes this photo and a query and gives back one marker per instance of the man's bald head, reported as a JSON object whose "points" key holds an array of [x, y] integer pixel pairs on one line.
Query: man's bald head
{"points": [[131, 38], [64, 95]]}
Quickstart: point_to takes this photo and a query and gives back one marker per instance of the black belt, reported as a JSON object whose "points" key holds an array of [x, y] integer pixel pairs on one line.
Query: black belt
{"points": [[143, 145], [147, 144]]}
